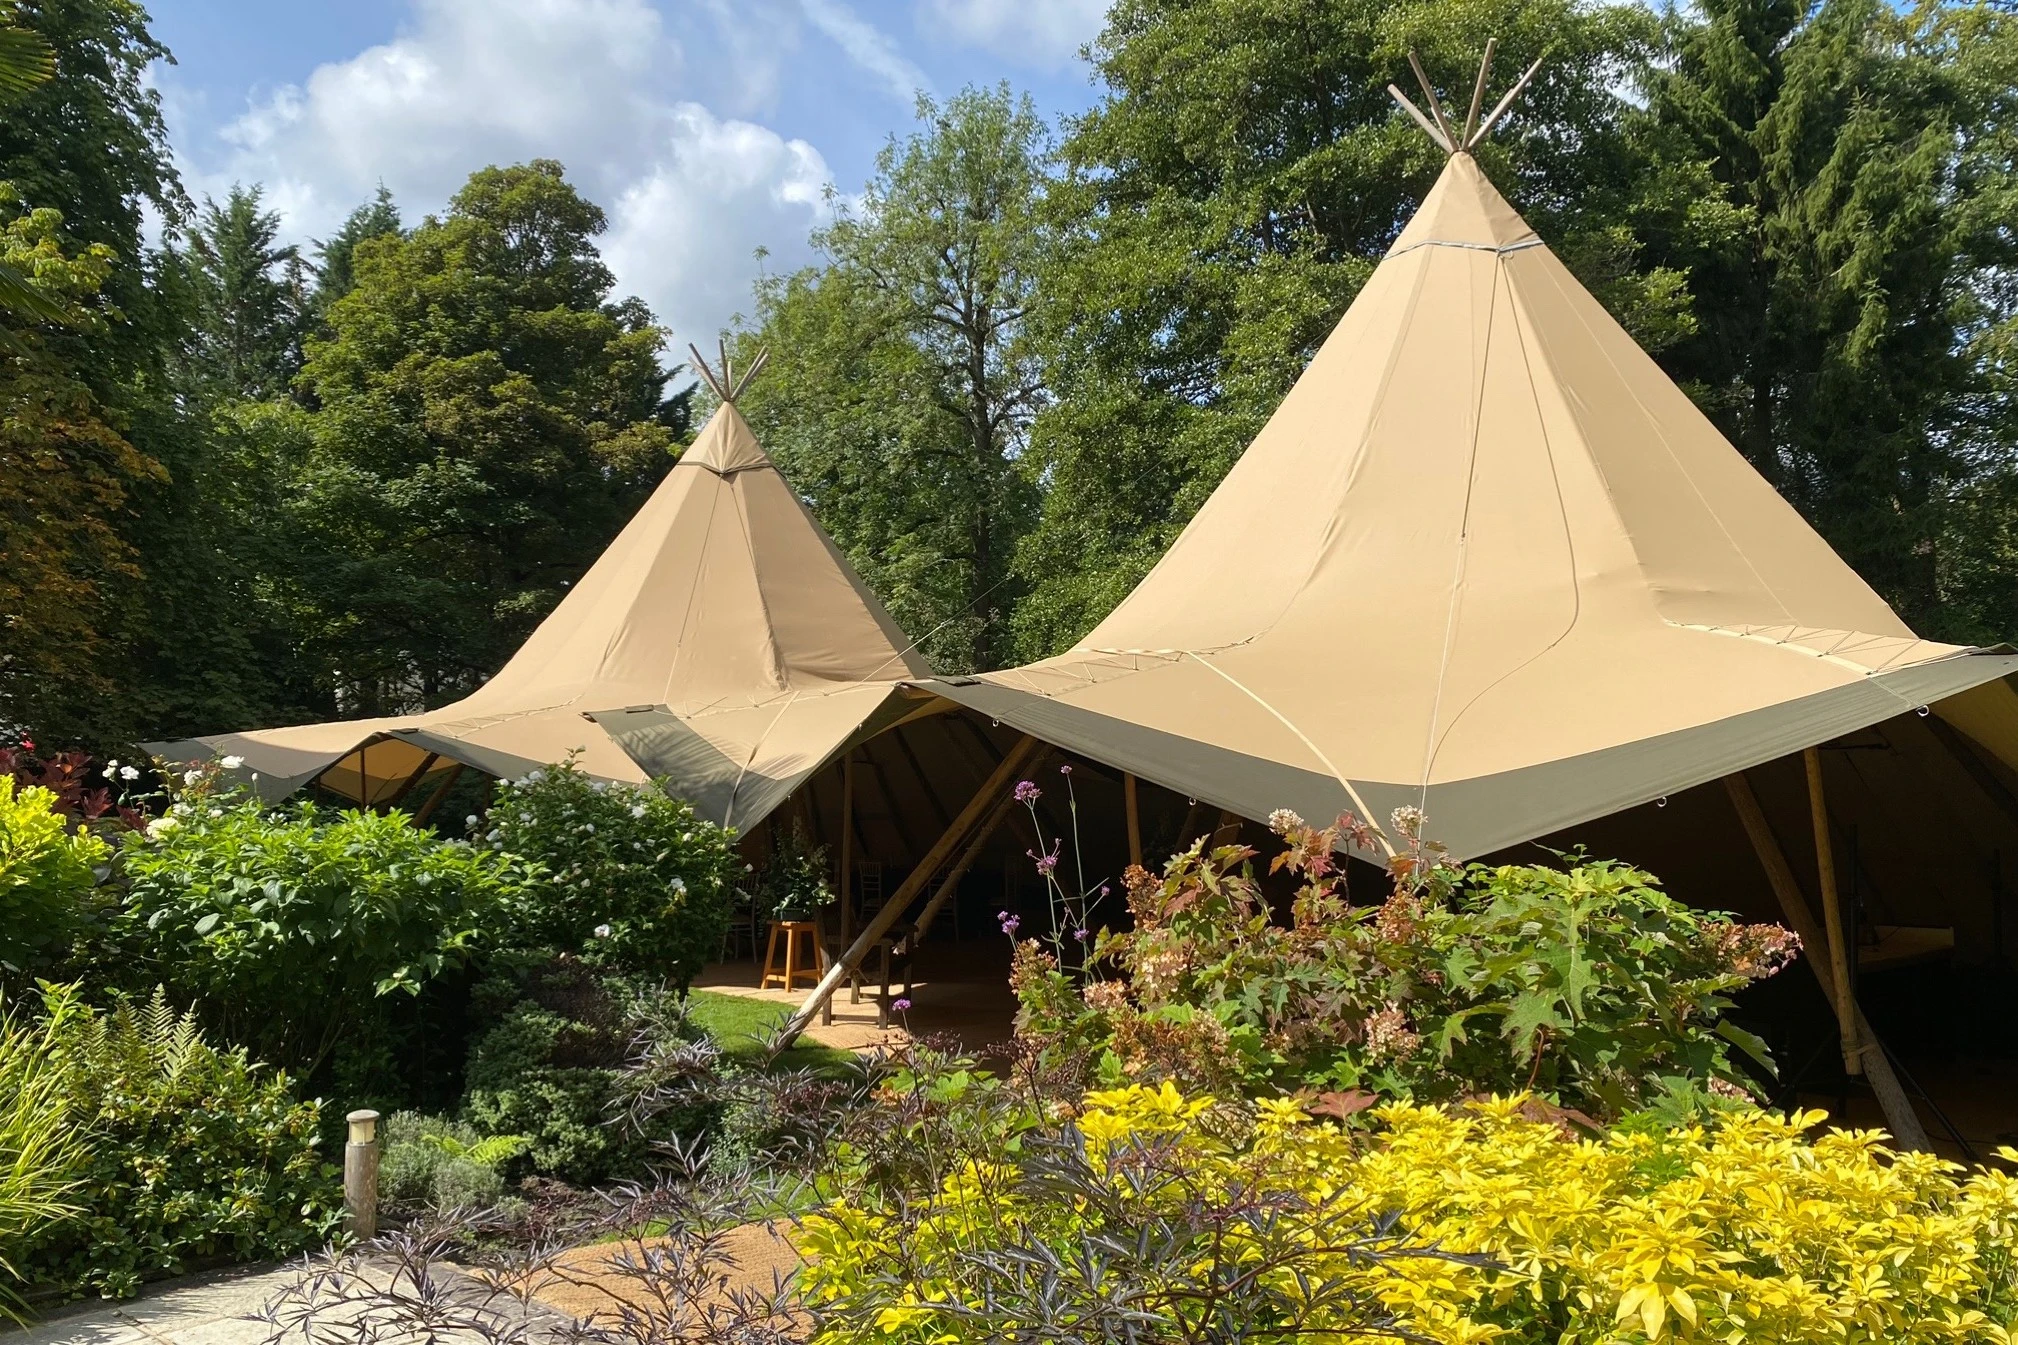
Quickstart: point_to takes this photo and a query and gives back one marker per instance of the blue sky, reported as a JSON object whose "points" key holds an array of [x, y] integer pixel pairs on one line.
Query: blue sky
{"points": [[706, 128]]}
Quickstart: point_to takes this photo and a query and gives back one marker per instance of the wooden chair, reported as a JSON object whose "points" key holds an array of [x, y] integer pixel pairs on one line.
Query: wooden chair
{"points": [[741, 931]]}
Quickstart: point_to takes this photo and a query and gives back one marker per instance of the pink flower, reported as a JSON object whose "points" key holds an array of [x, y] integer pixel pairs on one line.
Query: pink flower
{"points": [[1009, 923], [1065, 769], [1027, 791], [901, 1005], [1047, 864]]}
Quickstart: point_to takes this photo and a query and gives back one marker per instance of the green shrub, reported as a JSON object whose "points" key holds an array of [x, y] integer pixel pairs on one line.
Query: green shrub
{"points": [[194, 1153], [285, 926], [442, 1164], [634, 880], [553, 1067], [41, 1146], [1587, 983], [46, 875], [792, 884]]}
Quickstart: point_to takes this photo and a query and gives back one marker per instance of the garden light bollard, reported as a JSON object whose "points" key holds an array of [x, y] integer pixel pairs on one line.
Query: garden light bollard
{"points": [[360, 1175]]}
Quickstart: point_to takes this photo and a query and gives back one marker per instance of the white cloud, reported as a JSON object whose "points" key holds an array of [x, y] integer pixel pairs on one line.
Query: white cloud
{"points": [[666, 237], [599, 85], [868, 47], [1045, 34]]}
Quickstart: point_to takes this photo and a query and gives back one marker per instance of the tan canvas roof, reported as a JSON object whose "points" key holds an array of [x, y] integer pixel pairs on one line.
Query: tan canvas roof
{"points": [[1488, 559], [722, 605]]}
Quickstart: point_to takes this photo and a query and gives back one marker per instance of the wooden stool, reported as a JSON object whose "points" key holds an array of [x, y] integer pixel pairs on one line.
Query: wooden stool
{"points": [[798, 934]]}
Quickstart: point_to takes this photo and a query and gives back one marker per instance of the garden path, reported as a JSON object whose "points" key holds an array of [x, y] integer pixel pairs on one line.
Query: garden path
{"points": [[212, 1309], [196, 1310]]}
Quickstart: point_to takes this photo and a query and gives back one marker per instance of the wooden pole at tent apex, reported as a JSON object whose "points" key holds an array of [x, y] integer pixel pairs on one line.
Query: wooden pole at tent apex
{"points": [[1900, 1118], [844, 966], [1437, 125], [720, 381], [1832, 913]]}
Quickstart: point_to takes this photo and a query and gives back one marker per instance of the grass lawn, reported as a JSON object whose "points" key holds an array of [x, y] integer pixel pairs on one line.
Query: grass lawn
{"points": [[740, 1025]]}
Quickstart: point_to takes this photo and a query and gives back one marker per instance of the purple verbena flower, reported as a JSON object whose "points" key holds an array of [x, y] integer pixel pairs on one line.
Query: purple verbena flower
{"points": [[900, 1005], [1009, 923], [1047, 863], [1065, 769], [1082, 935], [1027, 791]]}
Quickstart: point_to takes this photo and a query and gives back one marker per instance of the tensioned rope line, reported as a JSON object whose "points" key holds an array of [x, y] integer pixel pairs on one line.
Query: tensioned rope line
{"points": [[1316, 751]]}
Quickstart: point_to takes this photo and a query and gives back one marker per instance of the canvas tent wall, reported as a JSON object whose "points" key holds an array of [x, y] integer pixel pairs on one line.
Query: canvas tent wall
{"points": [[722, 605], [1488, 560]]}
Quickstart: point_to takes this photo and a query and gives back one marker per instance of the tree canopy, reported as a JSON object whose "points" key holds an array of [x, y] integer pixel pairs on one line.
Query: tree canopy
{"points": [[256, 481]]}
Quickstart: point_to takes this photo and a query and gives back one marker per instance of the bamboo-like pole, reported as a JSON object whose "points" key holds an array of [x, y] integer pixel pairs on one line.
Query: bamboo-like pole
{"points": [[977, 807], [847, 887], [982, 835], [434, 800], [1907, 1132], [1832, 913], [1134, 820]]}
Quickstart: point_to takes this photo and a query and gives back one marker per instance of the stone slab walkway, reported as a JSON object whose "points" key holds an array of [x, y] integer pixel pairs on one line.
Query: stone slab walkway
{"points": [[198, 1310]]}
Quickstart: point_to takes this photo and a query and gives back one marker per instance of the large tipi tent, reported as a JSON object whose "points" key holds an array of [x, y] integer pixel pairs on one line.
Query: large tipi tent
{"points": [[722, 626], [1488, 560]]}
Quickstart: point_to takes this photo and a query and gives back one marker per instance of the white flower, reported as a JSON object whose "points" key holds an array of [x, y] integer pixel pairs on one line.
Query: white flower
{"points": [[637, 810], [534, 777], [493, 835], [161, 825], [599, 786], [679, 885], [602, 931], [1282, 819], [110, 771], [232, 763], [190, 777], [470, 821], [127, 773], [217, 812], [589, 827]]}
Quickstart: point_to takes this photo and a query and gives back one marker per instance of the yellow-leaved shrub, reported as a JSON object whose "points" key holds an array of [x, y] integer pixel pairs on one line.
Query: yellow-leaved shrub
{"points": [[1485, 1222]]}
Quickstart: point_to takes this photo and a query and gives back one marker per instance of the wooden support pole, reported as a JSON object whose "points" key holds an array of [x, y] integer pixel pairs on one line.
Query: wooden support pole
{"points": [[1134, 820], [1832, 913], [979, 806], [1907, 1132], [982, 835], [406, 786], [434, 800], [846, 889]]}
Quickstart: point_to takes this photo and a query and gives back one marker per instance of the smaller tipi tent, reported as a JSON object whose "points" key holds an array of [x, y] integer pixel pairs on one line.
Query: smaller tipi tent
{"points": [[742, 643]]}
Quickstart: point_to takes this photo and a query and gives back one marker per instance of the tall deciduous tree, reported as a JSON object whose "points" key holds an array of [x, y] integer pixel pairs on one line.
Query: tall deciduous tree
{"points": [[66, 476], [1856, 321], [907, 381], [487, 418], [1228, 196]]}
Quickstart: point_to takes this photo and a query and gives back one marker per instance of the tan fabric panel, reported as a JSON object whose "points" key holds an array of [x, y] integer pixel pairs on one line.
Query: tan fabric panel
{"points": [[1484, 556], [1988, 714], [721, 606]]}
